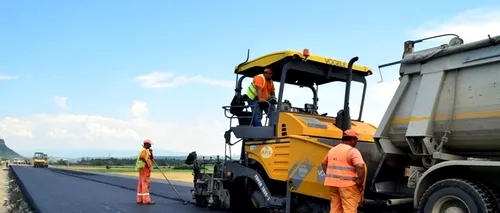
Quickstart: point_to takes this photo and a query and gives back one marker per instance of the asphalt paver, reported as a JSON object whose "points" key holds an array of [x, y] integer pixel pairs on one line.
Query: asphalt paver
{"points": [[55, 192]]}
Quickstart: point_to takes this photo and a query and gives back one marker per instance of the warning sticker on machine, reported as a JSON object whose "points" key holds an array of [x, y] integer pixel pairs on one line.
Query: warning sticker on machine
{"points": [[266, 152]]}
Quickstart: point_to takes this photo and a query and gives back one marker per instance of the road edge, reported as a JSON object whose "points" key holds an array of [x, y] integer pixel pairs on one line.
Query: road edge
{"points": [[26, 194]]}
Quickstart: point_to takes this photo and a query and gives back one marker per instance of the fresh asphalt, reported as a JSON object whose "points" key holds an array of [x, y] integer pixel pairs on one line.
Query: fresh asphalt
{"points": [[56, 190], [53, 190]]}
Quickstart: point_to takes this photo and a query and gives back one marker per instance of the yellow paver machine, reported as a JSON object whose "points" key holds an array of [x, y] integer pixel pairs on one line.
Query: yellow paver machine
{"points": [[279, 169]]}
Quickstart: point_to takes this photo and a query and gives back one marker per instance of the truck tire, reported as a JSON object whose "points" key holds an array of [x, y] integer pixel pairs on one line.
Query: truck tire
{"points": [[458, 195], [496, 197]]}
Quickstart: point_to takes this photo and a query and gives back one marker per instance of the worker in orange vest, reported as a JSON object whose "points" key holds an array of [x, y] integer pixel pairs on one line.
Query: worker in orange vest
{"points": [[144, 165], [259, 92], [345, 174]]}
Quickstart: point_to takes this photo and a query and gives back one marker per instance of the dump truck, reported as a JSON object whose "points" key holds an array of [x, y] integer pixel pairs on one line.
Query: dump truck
{"points": [[279, 169], [440, 135], [40, 160]]}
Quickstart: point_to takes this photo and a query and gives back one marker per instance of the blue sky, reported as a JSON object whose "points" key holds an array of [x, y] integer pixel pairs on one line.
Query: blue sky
{"points": [[92, 52]]}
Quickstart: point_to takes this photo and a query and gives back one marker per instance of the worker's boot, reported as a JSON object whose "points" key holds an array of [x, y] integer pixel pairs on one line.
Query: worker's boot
{"points": [[151, 203]]}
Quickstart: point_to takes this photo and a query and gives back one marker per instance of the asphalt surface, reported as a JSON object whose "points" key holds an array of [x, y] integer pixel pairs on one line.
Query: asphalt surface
{"points": [[66, 191]]}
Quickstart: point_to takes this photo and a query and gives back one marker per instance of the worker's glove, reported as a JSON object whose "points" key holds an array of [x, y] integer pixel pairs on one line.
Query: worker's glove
{"points": [[273, 101], [151, 153]]}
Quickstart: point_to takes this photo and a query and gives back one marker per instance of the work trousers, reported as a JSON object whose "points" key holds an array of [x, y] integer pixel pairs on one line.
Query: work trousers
{"points": [[143, 185], [257, 113], [345, 199]]}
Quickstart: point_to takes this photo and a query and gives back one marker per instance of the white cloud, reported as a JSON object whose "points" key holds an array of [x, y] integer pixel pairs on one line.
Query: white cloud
{"points": [[74, 132], [16, 127], [381, 93], [470, 25], [169, 79], [61, 101], [139, 109], [8, 77]]}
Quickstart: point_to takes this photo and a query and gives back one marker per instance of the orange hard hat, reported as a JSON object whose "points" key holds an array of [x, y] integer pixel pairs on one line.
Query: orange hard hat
{"points": [[147, 141], [268, 70], [351, 133]]}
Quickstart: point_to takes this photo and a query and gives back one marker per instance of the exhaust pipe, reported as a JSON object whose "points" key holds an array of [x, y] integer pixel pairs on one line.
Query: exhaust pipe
{"points": [[383, 205], [401, 201], [373, 205], [347, 114]]}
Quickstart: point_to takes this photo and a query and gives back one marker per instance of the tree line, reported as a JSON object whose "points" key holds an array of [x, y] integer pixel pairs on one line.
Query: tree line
{"points": [[174, 163]]}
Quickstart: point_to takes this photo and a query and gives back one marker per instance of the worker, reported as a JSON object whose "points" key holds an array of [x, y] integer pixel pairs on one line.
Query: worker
{"points": [[144, 164], [345, 174], [259, 93]]}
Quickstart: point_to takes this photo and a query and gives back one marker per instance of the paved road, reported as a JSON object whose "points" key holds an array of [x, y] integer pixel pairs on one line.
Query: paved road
{"points": [[63, 191], [157, 188]]}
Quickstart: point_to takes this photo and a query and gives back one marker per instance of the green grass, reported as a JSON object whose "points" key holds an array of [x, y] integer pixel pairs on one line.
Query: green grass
{"points": [[125, 169]]}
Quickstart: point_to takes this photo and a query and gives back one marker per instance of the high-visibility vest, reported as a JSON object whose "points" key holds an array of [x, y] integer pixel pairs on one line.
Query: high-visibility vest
{"points": [[252, 89], [139, 164], [339, 172]]}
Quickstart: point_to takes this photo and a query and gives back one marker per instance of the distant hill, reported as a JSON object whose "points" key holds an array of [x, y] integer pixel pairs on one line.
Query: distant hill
{"points": [[8, 153]]}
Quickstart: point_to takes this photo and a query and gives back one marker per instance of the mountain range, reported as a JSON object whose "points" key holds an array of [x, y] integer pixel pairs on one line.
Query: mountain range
{"points": [[8, 153]]}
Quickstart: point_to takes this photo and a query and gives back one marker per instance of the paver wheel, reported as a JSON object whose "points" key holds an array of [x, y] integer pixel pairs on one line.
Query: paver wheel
{"points": [[458, 196]]}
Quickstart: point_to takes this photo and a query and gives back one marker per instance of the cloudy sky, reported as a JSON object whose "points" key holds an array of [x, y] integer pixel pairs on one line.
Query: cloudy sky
{"points": [[98, 77]]}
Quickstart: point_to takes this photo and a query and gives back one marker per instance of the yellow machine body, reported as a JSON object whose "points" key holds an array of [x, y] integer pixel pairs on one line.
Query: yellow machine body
{"points": [[298, 152]]}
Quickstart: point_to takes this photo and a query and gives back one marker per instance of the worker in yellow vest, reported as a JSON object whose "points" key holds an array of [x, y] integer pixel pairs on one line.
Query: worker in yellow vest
{"points": [[345, 174], [259, 92], [144, 164]]}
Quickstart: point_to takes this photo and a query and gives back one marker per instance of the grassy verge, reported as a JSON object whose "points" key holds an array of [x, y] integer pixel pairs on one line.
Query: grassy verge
{"points": [[172, 173], [124, 169]]}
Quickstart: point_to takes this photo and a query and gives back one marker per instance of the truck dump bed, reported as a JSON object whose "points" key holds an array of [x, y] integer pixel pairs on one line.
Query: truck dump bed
{"points": [[452, 89]]}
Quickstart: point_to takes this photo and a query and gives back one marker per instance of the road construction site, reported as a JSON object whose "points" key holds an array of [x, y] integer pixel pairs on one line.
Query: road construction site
{"points": [[59, 190], [55, 190], [435, 150]]}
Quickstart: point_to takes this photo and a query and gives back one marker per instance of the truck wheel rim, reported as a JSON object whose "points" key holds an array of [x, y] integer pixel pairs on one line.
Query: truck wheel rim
{"points": [[450, 204]]}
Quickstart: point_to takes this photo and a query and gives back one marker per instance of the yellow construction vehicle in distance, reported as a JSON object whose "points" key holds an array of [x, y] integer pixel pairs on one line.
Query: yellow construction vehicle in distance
{"points": [[46, 160], [279, 169], [40, 160]]}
